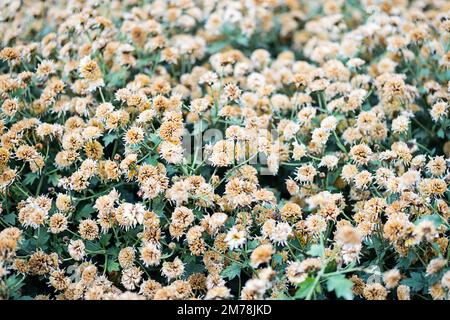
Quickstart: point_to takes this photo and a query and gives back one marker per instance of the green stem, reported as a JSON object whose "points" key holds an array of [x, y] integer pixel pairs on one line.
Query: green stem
{"points": [[41, 181]]}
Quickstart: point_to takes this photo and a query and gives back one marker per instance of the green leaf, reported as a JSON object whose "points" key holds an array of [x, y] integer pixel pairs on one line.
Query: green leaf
{"points": [[113, 266], [158, 206], [10, 218], [338, 143], [93, 246], [375, 243], [232, 271], [304, 288], [104, 240], [198, 214], [116, 79], [251, 245], [42, 239], [193, 266], [217, 46], [171, 170], [316, 250], [417, 282], [152, 160], [282, 296], [109, 138], [341, 286], [30, 178], [12, 281], [53, 179], [113, 251], [28, 244], [86, 211], [436, 219], [405, 262], [153, 137], [242, 40], [277, 258]]}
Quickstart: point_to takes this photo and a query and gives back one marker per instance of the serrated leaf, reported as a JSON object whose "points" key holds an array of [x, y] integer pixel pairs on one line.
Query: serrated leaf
{"points": [[53, 179], [12, 281], [242, 40], [157, 206], [42, 238], [104, 240], [436, 219], [232, 271], [277, 258], [304, 288], [30, 178], [109, 138], [194, 267], [10, 218], [341, 286], [417, 281], [86, 211], [217, 46], [116, 79], [316, 250], [252, 245], [91, 246], [405, 262], [113, 266], [154, 138]]}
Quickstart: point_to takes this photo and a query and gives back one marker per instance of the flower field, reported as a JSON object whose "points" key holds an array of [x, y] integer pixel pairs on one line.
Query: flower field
{"points": [[227, 149]]}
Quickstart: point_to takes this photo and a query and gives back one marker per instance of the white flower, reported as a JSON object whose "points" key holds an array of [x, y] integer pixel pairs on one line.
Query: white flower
{"points": [[130, 215], [350, 253], [77, 250], [329, 123], [172, 153], [400, 124], [290, 130], [209, 78], [281, 233], [438, 111], [329, 161], [235, 238]]}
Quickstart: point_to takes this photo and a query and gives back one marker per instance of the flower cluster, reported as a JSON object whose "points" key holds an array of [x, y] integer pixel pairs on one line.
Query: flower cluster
{"points": [[231, 149]]}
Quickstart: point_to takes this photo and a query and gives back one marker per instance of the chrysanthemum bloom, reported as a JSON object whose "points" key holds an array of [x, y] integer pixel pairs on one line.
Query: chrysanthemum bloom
{"points": [[155, 152], [235, 238], [261, 254]]}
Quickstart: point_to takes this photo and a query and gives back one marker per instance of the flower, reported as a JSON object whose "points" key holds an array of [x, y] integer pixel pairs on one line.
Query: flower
{"points": [[159, 150], [235, 238]]}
